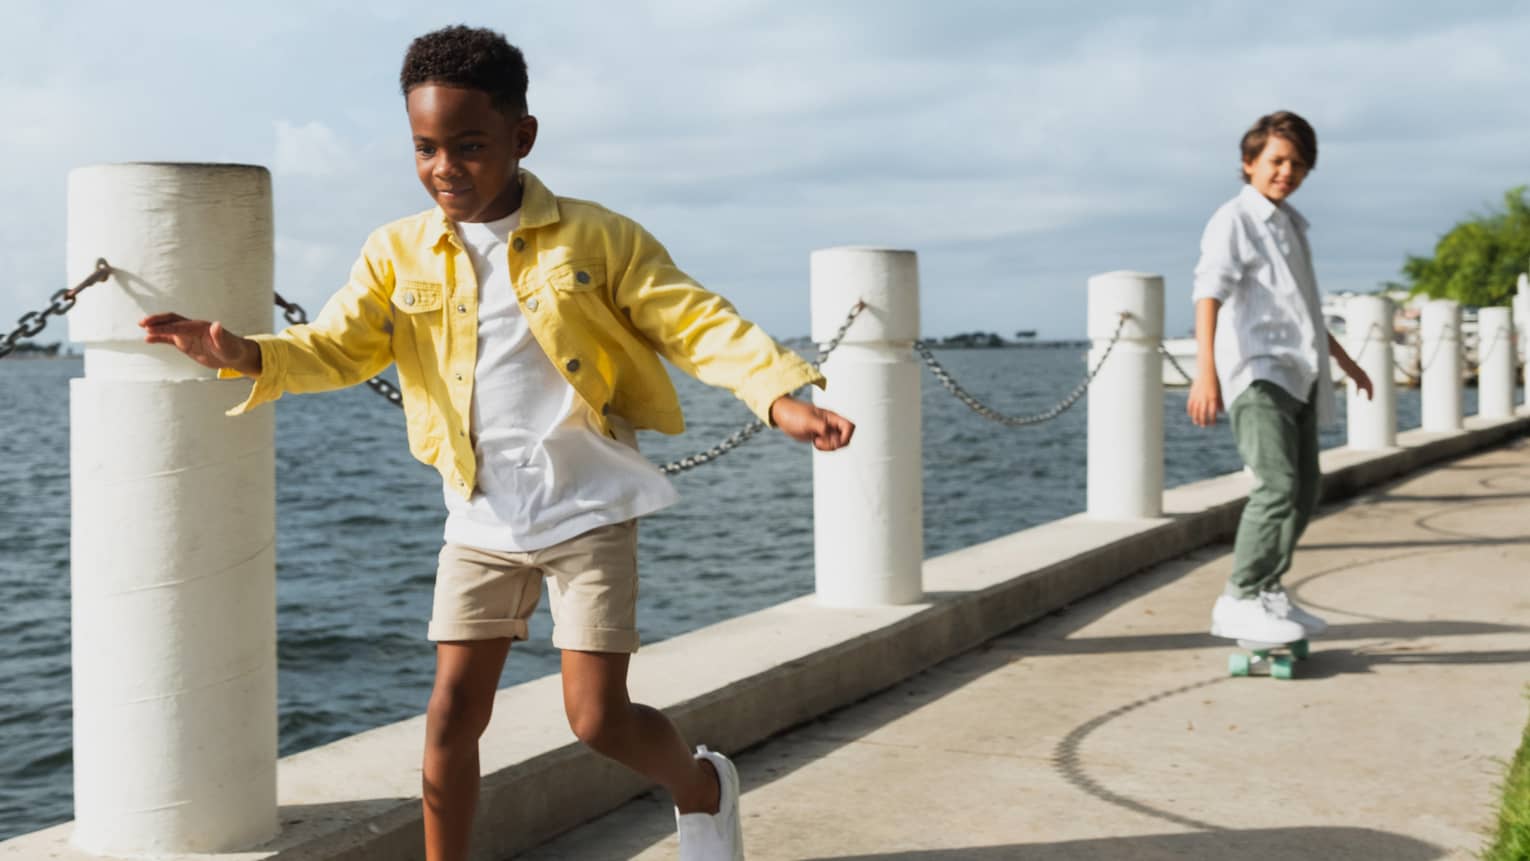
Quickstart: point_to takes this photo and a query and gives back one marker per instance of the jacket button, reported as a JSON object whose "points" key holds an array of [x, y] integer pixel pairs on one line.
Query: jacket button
{"points": [[518, 244], [461, 309], [459, 378], [573, 365], [582, 277], [408, 298], [531, 304]]}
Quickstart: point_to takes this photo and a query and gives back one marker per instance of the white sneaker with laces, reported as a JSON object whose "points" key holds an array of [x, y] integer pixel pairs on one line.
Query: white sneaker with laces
{"points": [[1252, 619], [714, 836], [1281, 605]]}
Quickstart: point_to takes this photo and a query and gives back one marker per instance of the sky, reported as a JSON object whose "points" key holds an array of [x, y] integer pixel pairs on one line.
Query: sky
{"points": [[1018, 147]]}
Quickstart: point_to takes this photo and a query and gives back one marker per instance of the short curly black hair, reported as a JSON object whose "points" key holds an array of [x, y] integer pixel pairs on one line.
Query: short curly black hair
{"points": [[470, 57]]}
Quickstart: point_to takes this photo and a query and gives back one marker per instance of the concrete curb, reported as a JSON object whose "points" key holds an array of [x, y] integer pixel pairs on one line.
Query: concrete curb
{"points": [[739, 682]]}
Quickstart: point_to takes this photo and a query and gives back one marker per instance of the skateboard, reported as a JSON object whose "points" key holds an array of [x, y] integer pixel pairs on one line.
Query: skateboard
{"points": [[1277, 660]]}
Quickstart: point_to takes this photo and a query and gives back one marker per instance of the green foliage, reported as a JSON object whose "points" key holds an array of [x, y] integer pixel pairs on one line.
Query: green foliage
{"points": [[1512, 842], [1478, 261]]}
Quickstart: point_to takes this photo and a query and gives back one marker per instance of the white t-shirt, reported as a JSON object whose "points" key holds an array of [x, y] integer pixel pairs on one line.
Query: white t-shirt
{"points": [[546, 472]]}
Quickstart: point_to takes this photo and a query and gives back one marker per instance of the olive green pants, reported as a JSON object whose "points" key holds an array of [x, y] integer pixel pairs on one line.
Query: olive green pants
{"points": [[1277, 437]]}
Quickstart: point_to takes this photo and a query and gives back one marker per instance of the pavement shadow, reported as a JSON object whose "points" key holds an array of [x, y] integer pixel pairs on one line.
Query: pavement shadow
{"points": [[1379, 630], [1265, 844]]}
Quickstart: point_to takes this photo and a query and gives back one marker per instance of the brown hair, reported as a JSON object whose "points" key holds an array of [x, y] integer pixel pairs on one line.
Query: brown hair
{"points": [[1282, 124]]}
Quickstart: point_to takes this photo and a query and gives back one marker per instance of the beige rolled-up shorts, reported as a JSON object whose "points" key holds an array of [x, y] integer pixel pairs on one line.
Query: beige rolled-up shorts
{"points": [[592, 581]]}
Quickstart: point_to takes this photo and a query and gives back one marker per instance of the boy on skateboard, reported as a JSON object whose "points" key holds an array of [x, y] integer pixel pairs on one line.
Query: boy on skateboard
{"points": [[1263, 352]]}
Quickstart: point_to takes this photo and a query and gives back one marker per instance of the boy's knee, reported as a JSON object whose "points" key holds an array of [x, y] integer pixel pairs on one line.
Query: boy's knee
{"points": [[594, 721], [1273, 502], [456, 713]]}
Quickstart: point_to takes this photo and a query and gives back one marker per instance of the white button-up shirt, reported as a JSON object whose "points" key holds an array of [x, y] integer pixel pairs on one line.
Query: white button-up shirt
{"points": [[1255, 260]]}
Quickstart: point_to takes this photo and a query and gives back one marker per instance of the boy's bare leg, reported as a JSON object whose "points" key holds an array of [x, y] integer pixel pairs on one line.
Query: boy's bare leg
{"points": [[637, 736], [467, 676]]}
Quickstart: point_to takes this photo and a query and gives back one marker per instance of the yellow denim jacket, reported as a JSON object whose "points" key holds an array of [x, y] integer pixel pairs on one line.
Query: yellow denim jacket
{"points": [[601, 297]]}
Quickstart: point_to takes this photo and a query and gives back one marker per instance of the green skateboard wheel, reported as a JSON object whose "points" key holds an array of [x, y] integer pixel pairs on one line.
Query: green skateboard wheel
{"points": [[1301, 649], [1237, 665], [1281, 667]]}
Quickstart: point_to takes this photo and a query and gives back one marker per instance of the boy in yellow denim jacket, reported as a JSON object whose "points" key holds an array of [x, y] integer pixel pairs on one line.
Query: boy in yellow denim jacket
{"points": [[570, 333]]}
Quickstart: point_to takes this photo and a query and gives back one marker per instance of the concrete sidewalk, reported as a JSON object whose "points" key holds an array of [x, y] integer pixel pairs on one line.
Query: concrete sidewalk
{"points": [[1111, 729]]}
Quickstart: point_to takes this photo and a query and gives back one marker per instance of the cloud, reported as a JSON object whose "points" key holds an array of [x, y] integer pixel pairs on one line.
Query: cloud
{"points": [[312, 150], [1019, 148]]}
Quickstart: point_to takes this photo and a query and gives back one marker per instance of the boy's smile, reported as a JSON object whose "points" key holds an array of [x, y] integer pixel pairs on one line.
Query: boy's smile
{"points": [[1278, 171], [467, 151]]}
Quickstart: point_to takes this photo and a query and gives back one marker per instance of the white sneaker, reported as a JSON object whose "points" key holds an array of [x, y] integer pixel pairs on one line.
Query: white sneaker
{"points": [[1252, 619], [1281, 605], [719, 836]]}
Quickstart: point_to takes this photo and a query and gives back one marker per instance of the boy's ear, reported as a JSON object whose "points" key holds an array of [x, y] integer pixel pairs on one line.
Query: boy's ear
{"points": [[525, 135]]}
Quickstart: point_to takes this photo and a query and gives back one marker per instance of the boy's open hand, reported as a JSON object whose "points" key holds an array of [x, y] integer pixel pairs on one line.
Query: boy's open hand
{"points": [[207, 343], [803, 422], [1205, 400]]}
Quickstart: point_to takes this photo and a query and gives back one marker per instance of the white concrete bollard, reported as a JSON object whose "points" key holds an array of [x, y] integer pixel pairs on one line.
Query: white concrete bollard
{"points": [[1495, 363], [173, 534], [1440, 359], [1125, 471], [868, 506], [1522, 328], [1368, 330]]}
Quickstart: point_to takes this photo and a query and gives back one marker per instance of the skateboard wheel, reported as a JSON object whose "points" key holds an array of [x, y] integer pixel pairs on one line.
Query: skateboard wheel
{"points": [[1237, 665], [1301, 649], [1281, 667]]}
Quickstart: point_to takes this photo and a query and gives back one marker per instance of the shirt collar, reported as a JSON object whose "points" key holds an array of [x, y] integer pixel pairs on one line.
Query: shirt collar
{"points": [[539, 208], [1260, 207]]}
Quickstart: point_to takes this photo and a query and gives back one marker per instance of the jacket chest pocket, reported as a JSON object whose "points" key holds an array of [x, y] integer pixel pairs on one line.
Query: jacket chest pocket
{"points": [[417, 326]]}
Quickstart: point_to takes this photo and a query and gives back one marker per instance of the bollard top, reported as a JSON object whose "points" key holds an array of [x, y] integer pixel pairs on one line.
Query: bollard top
{"points": [[862, 249], [1127, 274], [887, 280], [1138, 294]]}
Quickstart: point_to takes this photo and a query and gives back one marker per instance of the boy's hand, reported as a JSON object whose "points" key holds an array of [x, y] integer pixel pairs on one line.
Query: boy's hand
{"points": [[1205, 400], [803, 422], [206, 343], [1362, 381]]}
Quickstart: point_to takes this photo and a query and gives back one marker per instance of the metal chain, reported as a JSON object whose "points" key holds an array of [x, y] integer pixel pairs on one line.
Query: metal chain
{"points": [[33, 322], [1501, 334], [294, 314], [987, 412], [1164, 351], [1365, 344], [1447, 332], [743, 434]]}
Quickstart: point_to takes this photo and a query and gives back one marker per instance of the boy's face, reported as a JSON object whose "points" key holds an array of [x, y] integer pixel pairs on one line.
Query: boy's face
{"points": [[1278, 171], [467, 151]]}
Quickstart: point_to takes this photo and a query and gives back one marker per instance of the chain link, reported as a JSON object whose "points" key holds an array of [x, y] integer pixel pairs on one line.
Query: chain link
{"points": [[992, 414], [294, 314], [743, 434], [31, 324]]}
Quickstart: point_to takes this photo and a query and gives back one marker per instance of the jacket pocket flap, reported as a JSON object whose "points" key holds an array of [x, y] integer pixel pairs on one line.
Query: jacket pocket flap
{"points": [[415, 297], [578, 276]]}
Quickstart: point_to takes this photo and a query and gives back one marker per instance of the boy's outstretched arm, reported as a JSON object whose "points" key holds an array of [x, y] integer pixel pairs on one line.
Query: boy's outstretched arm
{"points": [[804, 422], [1206, 391]]}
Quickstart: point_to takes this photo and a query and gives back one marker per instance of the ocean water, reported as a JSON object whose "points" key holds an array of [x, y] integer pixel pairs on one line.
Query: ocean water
{"points": [[359, 525]]}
